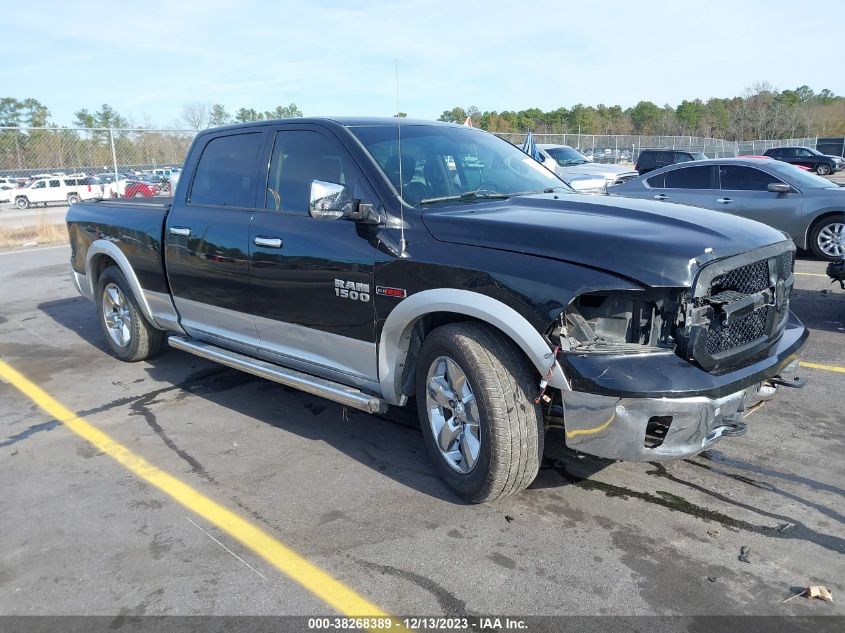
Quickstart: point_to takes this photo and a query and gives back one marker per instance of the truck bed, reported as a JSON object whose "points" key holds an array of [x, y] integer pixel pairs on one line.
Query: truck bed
{"points": [[135, 225]]}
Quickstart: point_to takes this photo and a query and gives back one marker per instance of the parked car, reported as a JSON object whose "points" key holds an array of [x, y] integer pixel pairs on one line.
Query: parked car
{"points": [[6, 192], [651, 159], [139, 189], [53, 190], [822, 164], [570, 165], [807, 207], [805, 168], [494, 294]]}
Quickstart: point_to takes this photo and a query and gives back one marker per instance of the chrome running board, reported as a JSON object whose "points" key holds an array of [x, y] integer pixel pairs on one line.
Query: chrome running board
{"points": [[348, 396]]}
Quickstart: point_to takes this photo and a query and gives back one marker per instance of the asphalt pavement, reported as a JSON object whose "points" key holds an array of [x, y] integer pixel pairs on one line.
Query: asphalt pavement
{"points": [[356, 496]]}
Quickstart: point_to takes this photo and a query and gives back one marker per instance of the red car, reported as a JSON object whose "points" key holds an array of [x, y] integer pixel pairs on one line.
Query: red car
{"points": [[137, 189]]}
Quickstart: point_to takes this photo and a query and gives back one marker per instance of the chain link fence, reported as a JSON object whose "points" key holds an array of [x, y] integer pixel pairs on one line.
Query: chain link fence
{"points": [[77, 164], [624, 149], [138, 162]]}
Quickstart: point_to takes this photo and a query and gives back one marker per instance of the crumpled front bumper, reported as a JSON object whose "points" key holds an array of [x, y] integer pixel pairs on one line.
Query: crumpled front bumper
{"points": [[618, 428], [616, 403]]}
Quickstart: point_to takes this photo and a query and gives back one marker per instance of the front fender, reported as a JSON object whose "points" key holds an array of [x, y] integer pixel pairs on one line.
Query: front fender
{"points": [[396, 334]]}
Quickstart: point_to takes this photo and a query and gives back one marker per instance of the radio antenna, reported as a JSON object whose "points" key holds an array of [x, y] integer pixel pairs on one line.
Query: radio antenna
{"points": [[402, 243]]}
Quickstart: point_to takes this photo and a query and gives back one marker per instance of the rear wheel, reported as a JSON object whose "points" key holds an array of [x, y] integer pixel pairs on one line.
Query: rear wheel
{"points": [[827, 237], [481, 426], [128, 333], [823, 169], [73, 198], [22, 202]]}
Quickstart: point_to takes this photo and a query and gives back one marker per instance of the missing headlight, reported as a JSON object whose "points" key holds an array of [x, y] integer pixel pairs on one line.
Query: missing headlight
{"points": [[610, 319]]}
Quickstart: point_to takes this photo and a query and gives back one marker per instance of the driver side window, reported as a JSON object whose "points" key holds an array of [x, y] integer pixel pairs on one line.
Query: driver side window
{"points": [[299, 157]]}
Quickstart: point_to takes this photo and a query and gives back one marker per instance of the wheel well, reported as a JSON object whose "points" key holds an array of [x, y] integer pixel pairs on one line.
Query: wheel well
{"points": [[99, 263], [421, 328]]}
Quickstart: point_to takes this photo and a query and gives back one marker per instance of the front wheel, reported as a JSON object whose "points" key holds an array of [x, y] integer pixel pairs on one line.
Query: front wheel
{"points": [[823, 169], [481, 426], [128, 333], [22, 202], [827, 237]]}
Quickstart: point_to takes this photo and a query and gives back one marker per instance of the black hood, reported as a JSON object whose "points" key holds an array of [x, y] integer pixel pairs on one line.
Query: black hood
{"points": [[655, 243]]}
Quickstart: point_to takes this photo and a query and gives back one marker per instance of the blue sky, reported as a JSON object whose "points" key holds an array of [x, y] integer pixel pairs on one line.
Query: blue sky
{"points": [[149, 58]]}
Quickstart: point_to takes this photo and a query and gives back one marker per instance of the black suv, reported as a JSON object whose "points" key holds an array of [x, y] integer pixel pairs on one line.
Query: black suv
{"points": [[650, 159], [822, 164]]}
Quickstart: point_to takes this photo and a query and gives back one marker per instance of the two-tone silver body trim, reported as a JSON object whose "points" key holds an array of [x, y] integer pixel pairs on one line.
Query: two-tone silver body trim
{"points": [[337, 392], [396, 334]]}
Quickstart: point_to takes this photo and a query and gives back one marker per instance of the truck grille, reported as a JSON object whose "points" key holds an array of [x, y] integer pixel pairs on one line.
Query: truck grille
{"points": [[737, 310]]}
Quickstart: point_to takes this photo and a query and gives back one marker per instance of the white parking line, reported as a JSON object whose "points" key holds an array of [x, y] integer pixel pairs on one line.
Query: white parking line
{"points": [[37, 248]]}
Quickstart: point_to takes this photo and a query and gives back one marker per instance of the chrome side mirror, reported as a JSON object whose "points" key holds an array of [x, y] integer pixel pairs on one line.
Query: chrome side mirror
{"points": [[779, 187], [331, 201]]}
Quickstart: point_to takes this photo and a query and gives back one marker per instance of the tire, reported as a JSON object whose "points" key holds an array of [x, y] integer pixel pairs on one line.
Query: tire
{"points": [[827, 237], [505, 422], [822, 169], [128, 333], [22, 202], [73, 198]]}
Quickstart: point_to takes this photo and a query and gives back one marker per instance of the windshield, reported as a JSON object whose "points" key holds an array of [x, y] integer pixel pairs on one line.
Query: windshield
{"points": [[802, 179], [442, 163], [566, 156]]}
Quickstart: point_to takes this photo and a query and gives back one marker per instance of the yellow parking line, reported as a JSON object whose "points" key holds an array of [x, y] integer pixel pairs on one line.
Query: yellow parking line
{"points": [[812, 274], [332, 591], [835, 368]]}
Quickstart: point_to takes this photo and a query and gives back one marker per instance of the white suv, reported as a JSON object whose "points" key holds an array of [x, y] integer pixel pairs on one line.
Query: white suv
{"points": [[52, 190]]}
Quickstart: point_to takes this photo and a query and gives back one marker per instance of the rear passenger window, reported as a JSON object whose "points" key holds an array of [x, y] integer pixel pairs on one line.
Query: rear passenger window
{"points": [[736, 178], [656, 182], [227, 172], [55, 183], [689, 178]]}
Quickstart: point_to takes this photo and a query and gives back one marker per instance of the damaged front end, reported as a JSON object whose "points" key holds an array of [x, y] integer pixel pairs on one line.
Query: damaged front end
{"points": [[664, 373]]}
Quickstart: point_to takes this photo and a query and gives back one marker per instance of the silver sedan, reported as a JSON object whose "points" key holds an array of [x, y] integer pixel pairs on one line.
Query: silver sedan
{"points": [[809, 208]]}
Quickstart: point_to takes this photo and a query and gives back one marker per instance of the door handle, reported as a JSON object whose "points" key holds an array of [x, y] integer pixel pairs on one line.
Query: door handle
{"points": [[182, 231], [661, 196], [724, 200], [267, 242]]}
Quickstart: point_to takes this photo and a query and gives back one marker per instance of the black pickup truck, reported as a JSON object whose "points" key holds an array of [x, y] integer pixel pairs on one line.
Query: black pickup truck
{"points": [[372, 264]]}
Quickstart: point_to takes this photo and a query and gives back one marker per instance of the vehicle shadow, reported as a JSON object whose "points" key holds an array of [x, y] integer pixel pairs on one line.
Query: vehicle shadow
{"points": [[820, 310], [390, 443]]}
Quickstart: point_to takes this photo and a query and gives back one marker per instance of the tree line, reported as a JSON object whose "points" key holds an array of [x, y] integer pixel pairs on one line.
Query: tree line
{"points": [[762, 112]]}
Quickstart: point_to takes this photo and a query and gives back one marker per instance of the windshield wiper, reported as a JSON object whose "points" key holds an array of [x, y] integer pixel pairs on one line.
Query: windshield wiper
{"points": [[470, 195]]}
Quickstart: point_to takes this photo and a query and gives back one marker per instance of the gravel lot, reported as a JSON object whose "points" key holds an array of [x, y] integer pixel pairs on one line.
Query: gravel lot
{"points": [[356, 495]]}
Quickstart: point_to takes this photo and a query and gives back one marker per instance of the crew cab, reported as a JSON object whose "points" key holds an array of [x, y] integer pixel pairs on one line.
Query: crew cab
{"points": [[376, 262], [56, 189]]}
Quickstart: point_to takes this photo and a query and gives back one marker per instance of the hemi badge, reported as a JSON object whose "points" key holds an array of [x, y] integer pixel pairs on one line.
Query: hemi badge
{"points": [[398, 293]]}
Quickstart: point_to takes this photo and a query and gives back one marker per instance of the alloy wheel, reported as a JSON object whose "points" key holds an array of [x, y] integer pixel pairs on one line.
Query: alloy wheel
{"points": [[117, 316], [453, 414], [831, 239]]}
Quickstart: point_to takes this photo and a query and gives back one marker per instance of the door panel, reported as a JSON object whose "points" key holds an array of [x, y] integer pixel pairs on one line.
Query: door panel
{"points": [[207, 236], [312, 291], [688, 185], [744, 192]]}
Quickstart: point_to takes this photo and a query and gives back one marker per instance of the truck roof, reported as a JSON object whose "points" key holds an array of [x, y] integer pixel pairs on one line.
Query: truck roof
{"points": [[346, 121]]}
